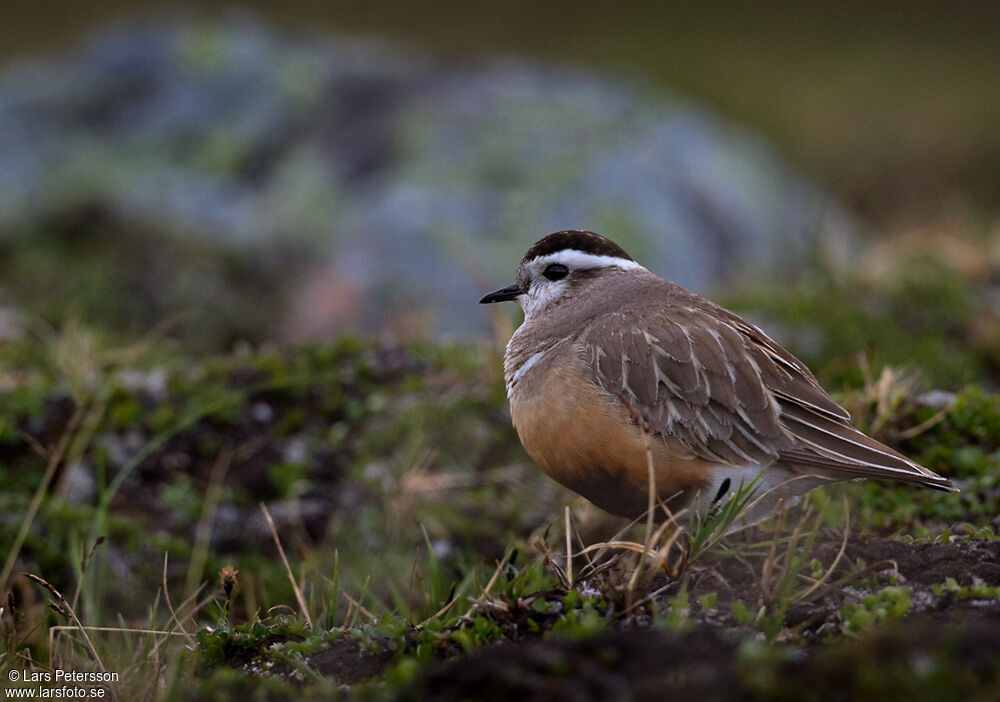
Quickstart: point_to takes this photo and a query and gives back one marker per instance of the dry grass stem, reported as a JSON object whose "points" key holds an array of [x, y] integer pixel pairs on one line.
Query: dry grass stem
{"points": [[84, 562], [840, 554], [925, 425], [170, 606], [483, 595], [288, 569], [569, 548], [767, 570], [116, 629], [78, 625], [639, 571], [354, 604], [203, 532]]}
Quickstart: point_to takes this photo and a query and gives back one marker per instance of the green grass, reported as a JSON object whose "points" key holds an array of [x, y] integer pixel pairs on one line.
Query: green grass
{"points": [[427, 539]]}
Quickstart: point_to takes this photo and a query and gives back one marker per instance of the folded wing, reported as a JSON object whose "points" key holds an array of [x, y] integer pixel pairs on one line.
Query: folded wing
{"points": [[720, 387]]}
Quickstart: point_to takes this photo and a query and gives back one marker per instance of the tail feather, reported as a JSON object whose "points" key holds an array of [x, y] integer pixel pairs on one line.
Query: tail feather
{"points": [[839, 450]]}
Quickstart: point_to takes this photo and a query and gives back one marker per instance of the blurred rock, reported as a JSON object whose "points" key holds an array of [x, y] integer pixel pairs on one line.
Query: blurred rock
{"points": [[293, 186], [152, 383], [77, 485], [938, 399]]}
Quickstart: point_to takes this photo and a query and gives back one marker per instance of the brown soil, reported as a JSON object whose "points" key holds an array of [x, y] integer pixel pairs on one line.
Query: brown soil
{"points": [[348, 661], [709, 665], [635, 662]]}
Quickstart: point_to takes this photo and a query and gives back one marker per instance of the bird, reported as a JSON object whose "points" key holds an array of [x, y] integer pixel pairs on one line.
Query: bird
{"points": [[612, 361]]}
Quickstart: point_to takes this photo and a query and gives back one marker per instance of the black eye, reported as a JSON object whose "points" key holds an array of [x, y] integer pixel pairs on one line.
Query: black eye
{"points": [[555, 271]]}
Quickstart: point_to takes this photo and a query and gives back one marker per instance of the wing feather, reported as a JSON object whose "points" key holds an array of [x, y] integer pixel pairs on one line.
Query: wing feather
{"points": [[702, 376], [680, 373]]}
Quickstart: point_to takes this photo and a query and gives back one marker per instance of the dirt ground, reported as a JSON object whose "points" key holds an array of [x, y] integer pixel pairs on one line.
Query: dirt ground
{"points": [[945, 645], [709, 664]]}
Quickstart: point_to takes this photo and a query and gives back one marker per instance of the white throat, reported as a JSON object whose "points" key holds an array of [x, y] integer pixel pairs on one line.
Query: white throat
{"points": [[540, 296]]}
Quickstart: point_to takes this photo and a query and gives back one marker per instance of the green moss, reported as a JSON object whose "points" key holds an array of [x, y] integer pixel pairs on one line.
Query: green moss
{"points": [[966, 442], [976, 591], [678, 615], [221, 644], [877, 608], [582, 622], [382, 430]]}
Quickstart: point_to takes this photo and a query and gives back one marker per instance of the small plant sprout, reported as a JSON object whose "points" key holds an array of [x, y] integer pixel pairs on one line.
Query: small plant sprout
{"points": [[229, 582]]}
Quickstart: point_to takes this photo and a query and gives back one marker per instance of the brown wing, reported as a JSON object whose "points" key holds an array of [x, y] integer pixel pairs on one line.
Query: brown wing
{"points": [[721, 388]]}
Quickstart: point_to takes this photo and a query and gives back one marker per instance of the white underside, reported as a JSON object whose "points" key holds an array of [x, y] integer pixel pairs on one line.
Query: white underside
{"points": [[775, 488]]}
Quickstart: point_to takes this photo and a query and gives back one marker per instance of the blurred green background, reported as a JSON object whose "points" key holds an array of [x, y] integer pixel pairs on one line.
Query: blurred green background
{"points": [[895, 106], [241, 249], [293, 171]]}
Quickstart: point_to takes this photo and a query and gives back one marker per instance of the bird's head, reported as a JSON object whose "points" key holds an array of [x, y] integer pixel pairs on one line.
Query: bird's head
{"points": [[562, 265]]}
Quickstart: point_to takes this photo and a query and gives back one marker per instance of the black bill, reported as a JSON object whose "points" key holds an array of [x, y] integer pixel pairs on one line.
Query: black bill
{"points": [[502, 295]]}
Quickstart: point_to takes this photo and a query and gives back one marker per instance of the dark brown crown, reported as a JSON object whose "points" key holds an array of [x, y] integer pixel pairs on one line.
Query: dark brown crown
{"points": [[578, 240]]}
